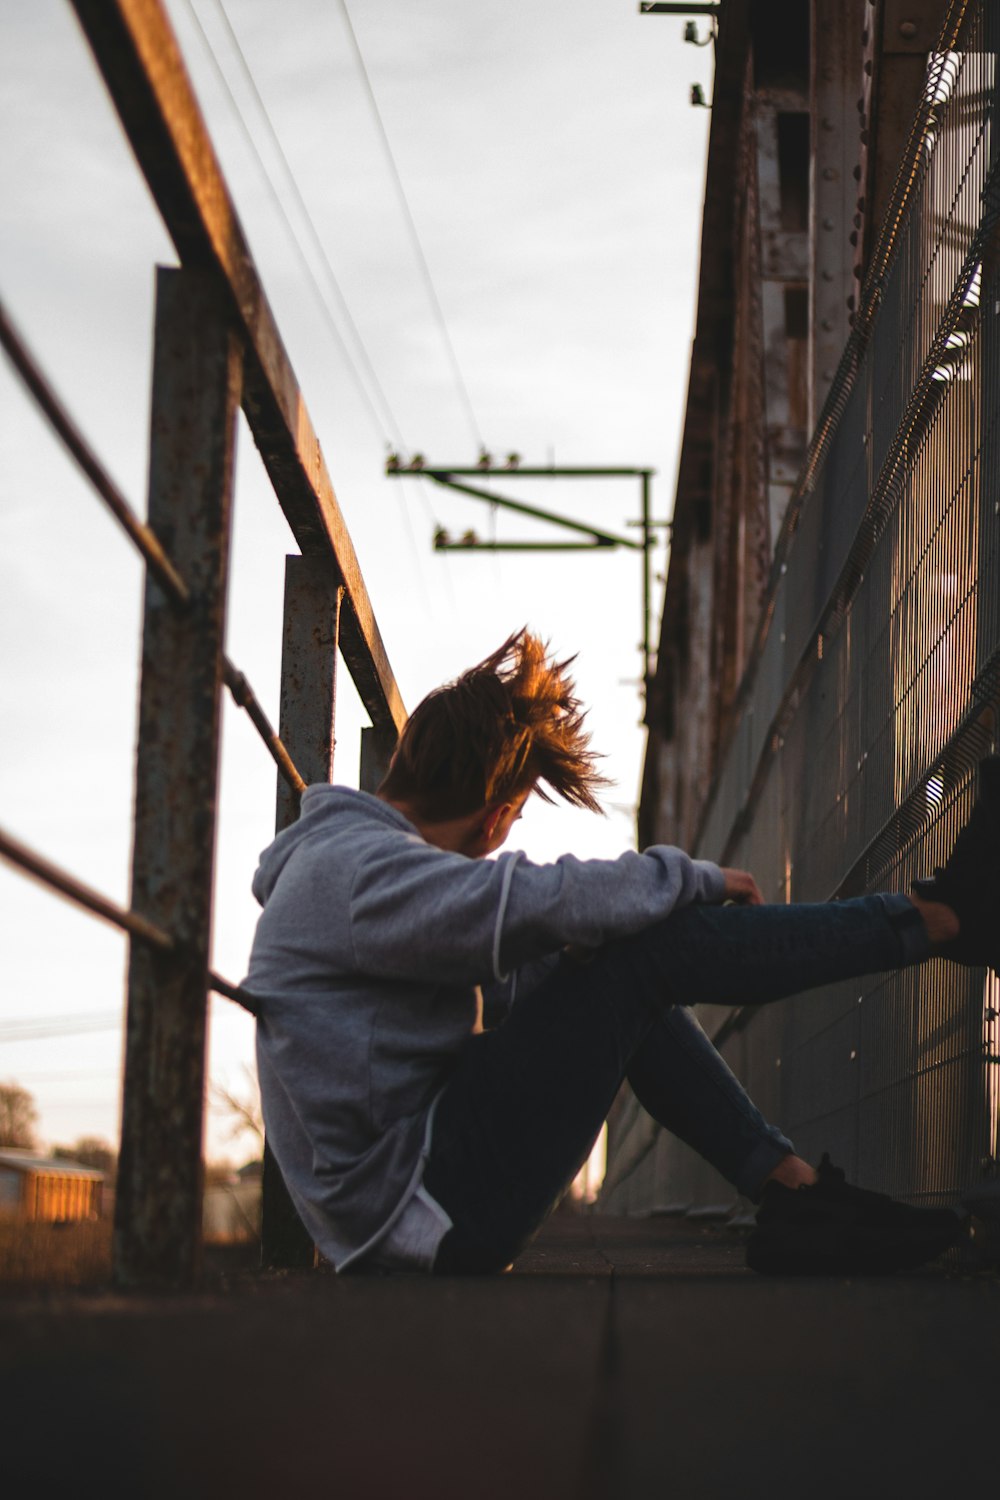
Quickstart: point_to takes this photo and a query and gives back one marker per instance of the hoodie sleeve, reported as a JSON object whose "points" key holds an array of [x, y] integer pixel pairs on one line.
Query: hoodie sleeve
{"points": [[421, 913]]}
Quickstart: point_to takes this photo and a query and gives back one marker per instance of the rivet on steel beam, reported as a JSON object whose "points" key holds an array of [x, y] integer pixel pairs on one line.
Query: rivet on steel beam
{"points": [[908, 29], [829, 174], [828, 224]]}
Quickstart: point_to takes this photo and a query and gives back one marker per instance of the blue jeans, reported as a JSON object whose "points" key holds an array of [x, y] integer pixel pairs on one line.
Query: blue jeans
{"points": [[526, 1101]]}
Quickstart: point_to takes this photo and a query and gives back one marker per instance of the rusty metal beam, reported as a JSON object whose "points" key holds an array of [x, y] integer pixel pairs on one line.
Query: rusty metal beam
{"points": [[313, 612], [312, 615], [140, 60], [908, 31], [141, 535], [56, 879], [196, 394], [837, 78], [376, 753], [36, 867], [80, 450]]}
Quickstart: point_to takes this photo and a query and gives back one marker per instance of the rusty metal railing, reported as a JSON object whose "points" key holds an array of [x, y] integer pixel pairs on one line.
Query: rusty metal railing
{"points": [[217, 348]]}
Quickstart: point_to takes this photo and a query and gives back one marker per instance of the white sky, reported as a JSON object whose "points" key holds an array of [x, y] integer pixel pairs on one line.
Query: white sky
{"points": [[554, 168]]}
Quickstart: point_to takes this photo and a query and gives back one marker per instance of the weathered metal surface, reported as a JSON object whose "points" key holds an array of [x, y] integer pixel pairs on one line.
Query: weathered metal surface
{"points": [[682, 672], [312, 615], [244, 696], [138, 55], [140, 533], [837, 196], [907, 33], [678, 8], [56, 879], [874, 680], [376, 753], [78, 447], [606, 538], [196, 393], [312, 618], [48, 874]]}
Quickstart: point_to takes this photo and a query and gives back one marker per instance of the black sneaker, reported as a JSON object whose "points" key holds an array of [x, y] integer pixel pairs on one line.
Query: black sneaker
{"points": [[833, 1229], [969, 881]]}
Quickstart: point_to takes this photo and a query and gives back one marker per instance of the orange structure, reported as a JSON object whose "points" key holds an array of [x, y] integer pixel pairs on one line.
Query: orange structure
{"points": [[42, 1188]]}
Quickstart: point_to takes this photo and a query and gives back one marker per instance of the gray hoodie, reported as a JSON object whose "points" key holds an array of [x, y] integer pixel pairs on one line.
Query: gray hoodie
{"points": [[365, 967]]}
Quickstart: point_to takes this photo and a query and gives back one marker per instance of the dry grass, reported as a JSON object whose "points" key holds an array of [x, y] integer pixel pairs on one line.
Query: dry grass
{"points": [[54, 1255]]}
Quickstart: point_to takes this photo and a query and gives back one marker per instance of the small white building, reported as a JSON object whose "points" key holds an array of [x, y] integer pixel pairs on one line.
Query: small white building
{"points": [[231, 1208]]}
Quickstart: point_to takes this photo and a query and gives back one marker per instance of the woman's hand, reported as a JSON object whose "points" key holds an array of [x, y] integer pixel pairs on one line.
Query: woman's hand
{"points": [[742, 888]]}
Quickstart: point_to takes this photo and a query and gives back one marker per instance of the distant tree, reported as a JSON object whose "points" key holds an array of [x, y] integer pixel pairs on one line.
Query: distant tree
{"points": [[18, 1116], [91, 1151], [243, 1109]]}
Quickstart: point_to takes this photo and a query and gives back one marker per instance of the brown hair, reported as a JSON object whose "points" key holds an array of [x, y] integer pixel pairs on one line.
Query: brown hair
{"points": [[503, 727]]}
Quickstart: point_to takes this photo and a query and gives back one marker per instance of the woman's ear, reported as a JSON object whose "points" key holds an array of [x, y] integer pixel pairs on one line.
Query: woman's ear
{"points": [[493, 817]]}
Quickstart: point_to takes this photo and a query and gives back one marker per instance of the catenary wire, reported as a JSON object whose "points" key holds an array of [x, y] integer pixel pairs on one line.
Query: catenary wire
{"points": [[385, 422], [411, 226]]}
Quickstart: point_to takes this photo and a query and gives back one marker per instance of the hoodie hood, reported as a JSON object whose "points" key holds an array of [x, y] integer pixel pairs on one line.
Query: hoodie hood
{"points": [[326, 811]]}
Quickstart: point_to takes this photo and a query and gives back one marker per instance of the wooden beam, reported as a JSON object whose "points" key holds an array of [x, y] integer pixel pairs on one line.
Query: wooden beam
{"points": [[139, 57]]}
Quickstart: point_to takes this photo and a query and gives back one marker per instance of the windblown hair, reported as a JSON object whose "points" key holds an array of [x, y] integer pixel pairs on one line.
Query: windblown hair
{"points": [[507, 725]]}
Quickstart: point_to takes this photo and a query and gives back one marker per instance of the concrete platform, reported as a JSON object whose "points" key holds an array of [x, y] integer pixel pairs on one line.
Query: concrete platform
{"points": [[621, 1359]]}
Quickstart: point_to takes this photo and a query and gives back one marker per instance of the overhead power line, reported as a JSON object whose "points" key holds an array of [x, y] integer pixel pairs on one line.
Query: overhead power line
{"points": [[30, 1029], [411, 226], [386, 422], [384, 419]]}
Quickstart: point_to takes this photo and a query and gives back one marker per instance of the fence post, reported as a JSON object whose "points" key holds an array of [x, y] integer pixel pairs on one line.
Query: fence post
{"points": [[197, 377], [308, 707]]}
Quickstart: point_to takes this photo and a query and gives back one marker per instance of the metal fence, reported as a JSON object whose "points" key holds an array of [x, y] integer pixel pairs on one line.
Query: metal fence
{"points": [[874, 684], [216, 349]]}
